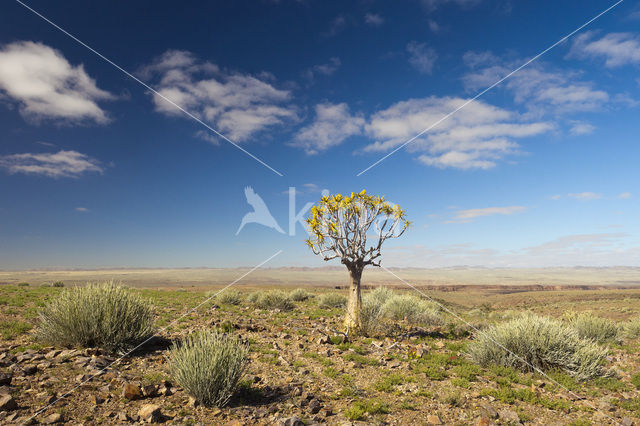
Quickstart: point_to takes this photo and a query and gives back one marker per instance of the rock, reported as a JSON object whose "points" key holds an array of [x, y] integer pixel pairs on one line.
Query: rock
{"points": [[323, 340], [150, 390], [5, 379], [7, 403], [29, 370], [439, 344], [315, 406], [150, 413], [52, 354], [131, 391], [291, 421], [52, 418], [434, 419], [484, 421], [96, 399], [122, 416], [193, 402], [626, 421], [488, 411], [509, 416]]}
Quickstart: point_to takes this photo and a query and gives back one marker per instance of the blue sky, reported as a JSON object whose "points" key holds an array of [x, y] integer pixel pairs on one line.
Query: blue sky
{"points": [[98, 171]]}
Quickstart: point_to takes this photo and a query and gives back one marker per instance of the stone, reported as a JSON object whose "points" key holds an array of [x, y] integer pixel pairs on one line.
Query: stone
{"points": [[626, 421], [150, 391], [131, 391], [509, 416], [96, 399], [193, 402], [439, 344], [52, 418], [291, 421], [150, 413], [5, 379], [29, 370], [434, 419], [484, 421], [314, 406], [52, 354], [488, 411], [7, 403], [122, 416]]}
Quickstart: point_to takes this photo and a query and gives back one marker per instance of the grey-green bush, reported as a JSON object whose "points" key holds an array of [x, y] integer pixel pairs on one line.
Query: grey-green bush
{"points": [[57, 284], [105, 315], [412, 309], [300, 295], [208, 366], [332, 300], [274, 299], [254, 296], [632, 328], [592, 327], [541, 342], [229, 297], [371, 313]]}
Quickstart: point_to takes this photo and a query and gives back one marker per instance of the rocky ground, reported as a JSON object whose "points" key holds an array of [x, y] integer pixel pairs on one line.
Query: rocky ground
{"points": [[301, 371]]}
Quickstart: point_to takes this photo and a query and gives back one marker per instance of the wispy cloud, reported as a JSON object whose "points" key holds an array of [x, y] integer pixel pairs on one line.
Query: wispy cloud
{"points": [[71, 164], [585, 196], [579, 128], [465, 216], [47, 87], [82, 209], [373, 19], [617, 49], [434, 4], [239, 105], [323, 69], [421, 57], [338, 24], [477, 137], [333, 123], [624, 195]]}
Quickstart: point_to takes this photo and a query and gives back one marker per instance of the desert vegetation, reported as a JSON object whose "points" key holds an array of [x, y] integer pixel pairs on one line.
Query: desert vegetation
{"points": [[271, 355]]}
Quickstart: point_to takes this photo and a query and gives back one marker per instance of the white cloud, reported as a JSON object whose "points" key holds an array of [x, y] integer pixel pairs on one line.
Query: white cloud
{"points": [[541, 90], [338, 24], [556, 197], [476, 137], [56, 165], [373, 19], [465, 216], [82, 209], [333, 123], [421, 57], [46, 86], [325, 69], [624, 195], [585, 196], [581, 128], [617, 49], [434, 4], [238, 105], [434, 26]]}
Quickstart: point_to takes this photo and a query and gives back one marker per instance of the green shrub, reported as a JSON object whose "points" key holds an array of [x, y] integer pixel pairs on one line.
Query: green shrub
{"points": [[23, 284], [57, 284], [12, 328], [332, 300], [595, 328], [412, 309], [300, 295], [635, 380], [105, 315], [542, 342], [632, 328], [274, 299], [208, 366], [229, 297]]}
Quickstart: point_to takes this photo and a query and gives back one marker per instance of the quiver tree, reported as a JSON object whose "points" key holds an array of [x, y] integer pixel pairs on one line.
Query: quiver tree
{"points": [[353, 230]]}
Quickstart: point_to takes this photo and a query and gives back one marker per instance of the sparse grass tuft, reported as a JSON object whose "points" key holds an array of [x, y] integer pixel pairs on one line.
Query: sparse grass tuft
{"points": [[412, 309], [208, 366], [57, 284], [541, 342], [105, 315], [358, 409], [332, 300], [632, 328], [12, 328]]}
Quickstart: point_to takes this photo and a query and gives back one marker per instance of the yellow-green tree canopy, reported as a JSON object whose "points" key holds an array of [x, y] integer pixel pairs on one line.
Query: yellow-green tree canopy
{"points": [[354, 227]]}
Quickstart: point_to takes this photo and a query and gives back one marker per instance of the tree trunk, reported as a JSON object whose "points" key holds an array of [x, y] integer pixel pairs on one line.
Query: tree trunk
{"points": [[352, 321]]}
